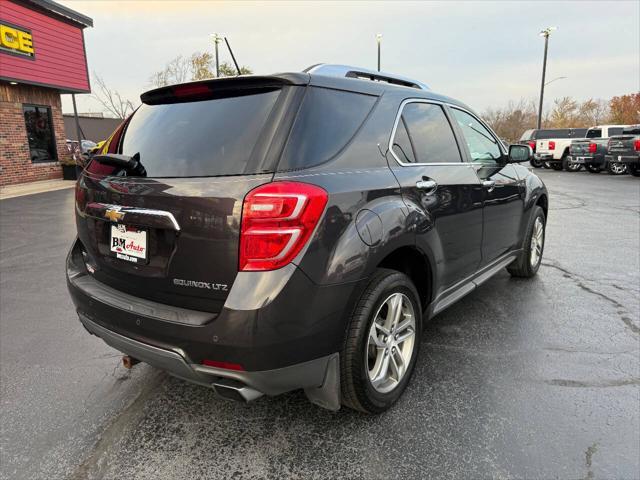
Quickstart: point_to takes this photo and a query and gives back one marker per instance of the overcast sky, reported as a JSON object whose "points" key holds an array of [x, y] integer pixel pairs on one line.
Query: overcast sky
{"points": [[483, 53]]}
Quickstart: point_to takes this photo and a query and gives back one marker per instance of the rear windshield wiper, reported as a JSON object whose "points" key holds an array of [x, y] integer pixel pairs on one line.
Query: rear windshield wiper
{"points": [[131, 164]]}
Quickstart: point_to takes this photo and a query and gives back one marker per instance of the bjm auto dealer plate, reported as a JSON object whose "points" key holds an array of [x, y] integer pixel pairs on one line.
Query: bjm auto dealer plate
{"points": [[129, 243]]}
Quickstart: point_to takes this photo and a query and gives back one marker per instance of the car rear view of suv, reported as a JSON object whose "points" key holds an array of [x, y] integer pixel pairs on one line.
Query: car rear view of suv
{"points": [[263, 234]]}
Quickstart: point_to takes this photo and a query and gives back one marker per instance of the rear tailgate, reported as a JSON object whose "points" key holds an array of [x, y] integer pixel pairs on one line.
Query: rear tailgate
{"points": [[542, 146], [169, 231], [623, 144], [580, 148]]}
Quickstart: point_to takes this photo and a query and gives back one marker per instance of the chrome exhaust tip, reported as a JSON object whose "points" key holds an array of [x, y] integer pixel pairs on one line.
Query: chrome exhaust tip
{"points": [[235, 390]]}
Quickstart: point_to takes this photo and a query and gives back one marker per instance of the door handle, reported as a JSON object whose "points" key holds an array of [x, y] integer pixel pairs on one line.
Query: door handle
{"points": [[489, 184], [427, 185]]}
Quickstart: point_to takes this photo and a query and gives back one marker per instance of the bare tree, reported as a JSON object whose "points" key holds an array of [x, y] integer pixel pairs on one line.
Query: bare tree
{"points": [[511, 121], [199, 66], [111, 100]]}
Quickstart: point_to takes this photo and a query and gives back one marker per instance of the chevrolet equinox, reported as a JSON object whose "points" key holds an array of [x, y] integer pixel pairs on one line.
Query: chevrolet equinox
{"points": [[262, 234]]}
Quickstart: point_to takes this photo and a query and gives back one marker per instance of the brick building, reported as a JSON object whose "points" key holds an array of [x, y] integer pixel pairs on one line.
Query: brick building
{"points": [[42, 56]]}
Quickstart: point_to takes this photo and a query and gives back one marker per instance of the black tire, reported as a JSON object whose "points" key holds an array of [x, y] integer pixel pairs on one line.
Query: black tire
{"points": [[556, 165], [633, 170], [522, 266], [591, 168], [611, 168], [568, 166], [357, 391], [536, 163]]}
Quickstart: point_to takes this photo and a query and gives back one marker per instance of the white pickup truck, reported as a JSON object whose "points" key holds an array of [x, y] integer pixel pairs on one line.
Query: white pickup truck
{"points": [[555, 151]]}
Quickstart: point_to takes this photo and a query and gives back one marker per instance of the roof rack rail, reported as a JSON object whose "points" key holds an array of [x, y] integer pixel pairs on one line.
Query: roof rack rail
{"points": [[364, 74]]}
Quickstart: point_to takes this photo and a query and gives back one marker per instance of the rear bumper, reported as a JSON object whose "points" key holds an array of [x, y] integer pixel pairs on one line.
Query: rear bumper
{"points": [[309, 375], [544, 157], [588, 159], [284, 343]]}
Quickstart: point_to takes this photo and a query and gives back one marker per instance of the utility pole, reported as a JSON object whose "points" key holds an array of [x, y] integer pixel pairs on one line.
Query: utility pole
{"points": [[544, 33], [379, 40], [216, 40]]}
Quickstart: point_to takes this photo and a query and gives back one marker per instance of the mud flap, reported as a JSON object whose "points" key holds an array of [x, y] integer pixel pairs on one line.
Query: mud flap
{"points": [[328, 395]]}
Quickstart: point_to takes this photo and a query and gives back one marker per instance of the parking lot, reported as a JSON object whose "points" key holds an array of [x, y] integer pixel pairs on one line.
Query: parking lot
{"points": [[521, 379]]}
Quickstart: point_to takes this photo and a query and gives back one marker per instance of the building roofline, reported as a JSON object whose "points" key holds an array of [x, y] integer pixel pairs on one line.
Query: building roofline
{"points": [[61, 10]]}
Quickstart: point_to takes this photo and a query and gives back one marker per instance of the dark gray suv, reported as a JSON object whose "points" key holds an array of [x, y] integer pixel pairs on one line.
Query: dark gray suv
{"points": [[263, 234]]}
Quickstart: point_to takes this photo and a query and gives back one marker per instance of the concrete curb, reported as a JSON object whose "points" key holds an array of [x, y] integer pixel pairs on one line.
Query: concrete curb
{"points": [[11, 191]]}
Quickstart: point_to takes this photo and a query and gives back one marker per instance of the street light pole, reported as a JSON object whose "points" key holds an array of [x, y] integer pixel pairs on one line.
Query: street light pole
{"points": [[379, 40], [544, 33], [216, 40]]}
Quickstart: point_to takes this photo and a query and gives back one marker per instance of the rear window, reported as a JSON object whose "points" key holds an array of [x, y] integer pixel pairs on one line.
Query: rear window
{"points": [[632, 130], [615, 131], [553, 133], [198, 139], [594, 133], [327, 121]]}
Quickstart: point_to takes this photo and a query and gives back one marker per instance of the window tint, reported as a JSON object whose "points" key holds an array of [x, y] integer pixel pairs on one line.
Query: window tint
{"points": [[578, 132], [424, 135], [202, 138], [327, 120], [594, 133], [615, 131], [632, 130], [482, 146], [42, 145], [402, 146], [553, 133]]}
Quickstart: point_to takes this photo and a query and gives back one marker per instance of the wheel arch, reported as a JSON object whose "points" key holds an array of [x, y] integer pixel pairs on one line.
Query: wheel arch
{"points": [[417, 266]]}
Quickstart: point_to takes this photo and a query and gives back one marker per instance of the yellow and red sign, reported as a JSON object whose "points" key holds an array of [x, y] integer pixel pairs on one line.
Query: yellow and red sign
{"points": [[16, 40]]}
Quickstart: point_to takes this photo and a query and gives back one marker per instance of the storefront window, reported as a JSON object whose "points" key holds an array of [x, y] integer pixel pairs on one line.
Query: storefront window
{"points": [[42, 143]]}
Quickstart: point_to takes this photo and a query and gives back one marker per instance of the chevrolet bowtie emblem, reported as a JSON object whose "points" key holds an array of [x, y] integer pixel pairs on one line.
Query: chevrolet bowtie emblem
{"points": [[114, 214]]}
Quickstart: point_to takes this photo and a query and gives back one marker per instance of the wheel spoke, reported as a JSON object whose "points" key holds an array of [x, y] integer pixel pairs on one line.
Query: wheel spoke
{"points": [[384, 330], [395, 309], [381, 375], [404, 324], [397, 364], [374, 339], [405, 335]]}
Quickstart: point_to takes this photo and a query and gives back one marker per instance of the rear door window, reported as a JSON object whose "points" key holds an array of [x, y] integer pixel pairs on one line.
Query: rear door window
{"points": [[424, 135], [198, 138], [327, 120]]}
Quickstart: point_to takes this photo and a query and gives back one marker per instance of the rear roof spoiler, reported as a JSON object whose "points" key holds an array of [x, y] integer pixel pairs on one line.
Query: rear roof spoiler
{"points": [[220, 87], [348, 71]]}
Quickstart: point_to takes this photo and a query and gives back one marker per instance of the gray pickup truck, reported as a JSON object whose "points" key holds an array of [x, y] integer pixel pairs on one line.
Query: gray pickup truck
{"points": [[625, 150], [592, 150]]}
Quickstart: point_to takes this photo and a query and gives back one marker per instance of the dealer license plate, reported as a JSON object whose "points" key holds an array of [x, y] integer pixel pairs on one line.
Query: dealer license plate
{"points": [[129, 243]]}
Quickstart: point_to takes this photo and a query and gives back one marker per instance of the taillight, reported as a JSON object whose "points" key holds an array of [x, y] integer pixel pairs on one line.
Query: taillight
{"points": [[592, 148], [277, 221], [532, 145], [636, 145], [552, 145]]}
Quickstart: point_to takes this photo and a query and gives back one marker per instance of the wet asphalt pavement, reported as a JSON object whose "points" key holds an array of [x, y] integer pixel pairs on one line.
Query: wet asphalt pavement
{"points": [[521, 379]]}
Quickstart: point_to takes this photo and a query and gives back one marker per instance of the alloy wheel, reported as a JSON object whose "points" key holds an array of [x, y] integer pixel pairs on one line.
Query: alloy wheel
{"points": [[617, 168], [537, 242], [390, 342]]}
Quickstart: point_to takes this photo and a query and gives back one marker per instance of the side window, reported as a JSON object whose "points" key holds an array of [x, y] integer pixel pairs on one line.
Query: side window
{"points": [[402, 146], [423, 135], [482, 146]]}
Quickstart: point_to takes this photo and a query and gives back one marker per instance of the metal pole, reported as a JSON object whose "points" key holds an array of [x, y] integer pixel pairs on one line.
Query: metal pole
{"points": [[379, 40], [75, 115], [544, 71], [217, 62]]}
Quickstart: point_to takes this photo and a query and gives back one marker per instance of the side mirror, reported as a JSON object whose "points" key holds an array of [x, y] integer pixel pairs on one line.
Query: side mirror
{"points": [[520, 153]]}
